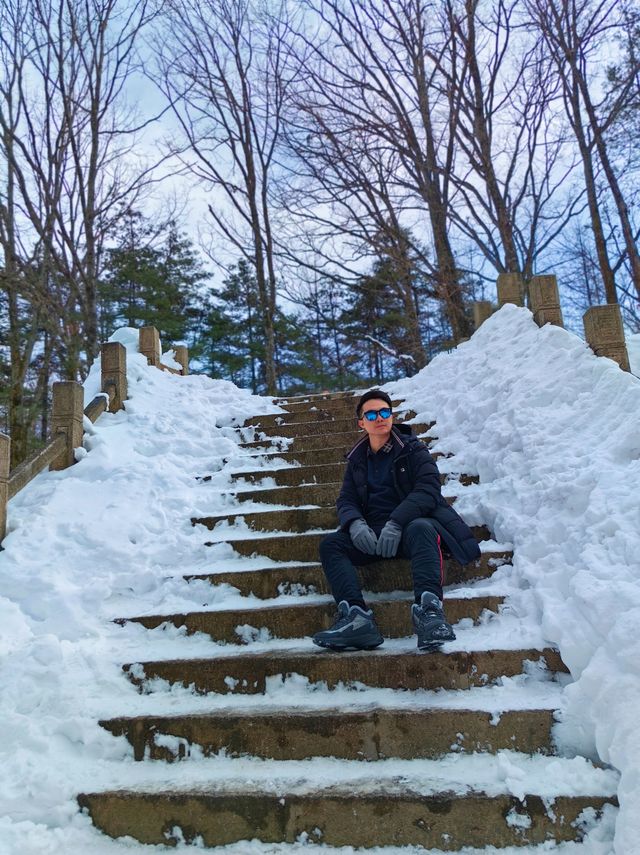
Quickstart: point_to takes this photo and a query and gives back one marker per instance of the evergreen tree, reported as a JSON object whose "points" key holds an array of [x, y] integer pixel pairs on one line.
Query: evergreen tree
{"points": [[153, 277]]}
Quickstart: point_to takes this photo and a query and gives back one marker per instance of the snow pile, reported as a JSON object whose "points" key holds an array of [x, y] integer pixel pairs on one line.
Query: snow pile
{"points": [[633, 348], [82, 544], [553, 433], [549, 428]]}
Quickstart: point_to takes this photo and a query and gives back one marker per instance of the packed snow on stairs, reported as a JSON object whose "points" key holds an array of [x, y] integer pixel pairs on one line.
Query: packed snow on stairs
{"points": [[417, 745]]}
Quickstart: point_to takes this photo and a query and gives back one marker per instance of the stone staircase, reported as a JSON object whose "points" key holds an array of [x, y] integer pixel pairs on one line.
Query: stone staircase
{"points": [[428, 721]]}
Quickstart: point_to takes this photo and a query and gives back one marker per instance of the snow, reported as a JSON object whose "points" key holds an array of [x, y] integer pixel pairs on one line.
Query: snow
{"points": [[553, 433], [633, 348]]}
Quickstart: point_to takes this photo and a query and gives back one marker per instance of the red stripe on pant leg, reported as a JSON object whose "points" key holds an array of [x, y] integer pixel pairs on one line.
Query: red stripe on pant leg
{"points": [[441, 563]]}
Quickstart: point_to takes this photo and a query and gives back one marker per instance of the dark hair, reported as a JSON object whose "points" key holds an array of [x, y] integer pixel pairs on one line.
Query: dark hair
{"points": [[369, 396]]}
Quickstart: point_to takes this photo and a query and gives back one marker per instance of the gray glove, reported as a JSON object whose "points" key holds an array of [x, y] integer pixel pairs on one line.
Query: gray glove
{"points": [[389, 539], [362, 537]]}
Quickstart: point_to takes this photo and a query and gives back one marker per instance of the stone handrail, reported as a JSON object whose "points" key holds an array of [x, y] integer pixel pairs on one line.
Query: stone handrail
{"points": [[604, 331], [68, 415]]}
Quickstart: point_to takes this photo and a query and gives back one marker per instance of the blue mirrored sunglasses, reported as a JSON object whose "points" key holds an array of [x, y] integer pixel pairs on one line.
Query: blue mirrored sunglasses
{"points": [[372, 415]]}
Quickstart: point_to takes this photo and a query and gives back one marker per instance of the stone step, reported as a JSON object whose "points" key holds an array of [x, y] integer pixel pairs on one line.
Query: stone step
{"points": [[305, 619], [314, 494], [345, 440], [372, 734], [380, 578], [312, 475], [301, 400], [248, 673], [296, 519], [320, 411], [325, 428], [275, 459], [304, 547], [325, 473], [382, 815]]}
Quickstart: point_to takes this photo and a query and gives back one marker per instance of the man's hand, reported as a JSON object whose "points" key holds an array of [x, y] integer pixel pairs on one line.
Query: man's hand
{"points": [[363, 537], [389, 539]]}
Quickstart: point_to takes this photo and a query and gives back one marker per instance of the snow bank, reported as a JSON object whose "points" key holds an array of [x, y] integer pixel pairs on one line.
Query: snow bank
{"points": [[551, 430], [113, 529], [553, 433]]}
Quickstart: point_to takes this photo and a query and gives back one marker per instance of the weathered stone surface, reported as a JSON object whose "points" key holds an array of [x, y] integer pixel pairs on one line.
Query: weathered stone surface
{"points": [[545, 300], [381, 577], [67, 418], [604, 332], [311, 476], [343, 408], [482, 309], [510, 288], [328, 438], [372, 734], [294, 547], [247, 673], [114, 373], [309, 427], [149, 345], [316, 494], [297, 519], [339, 818], [296, 621], [182, 357]]}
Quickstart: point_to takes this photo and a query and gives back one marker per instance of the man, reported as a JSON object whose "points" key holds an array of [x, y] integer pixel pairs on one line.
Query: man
{"points": [[390, 505]]}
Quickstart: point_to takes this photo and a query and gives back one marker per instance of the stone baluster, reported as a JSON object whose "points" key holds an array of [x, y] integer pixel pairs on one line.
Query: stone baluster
{"points": [[544, 300], [149, 345], [605, 333], [114, 373], [67, 418], [510, 289]]}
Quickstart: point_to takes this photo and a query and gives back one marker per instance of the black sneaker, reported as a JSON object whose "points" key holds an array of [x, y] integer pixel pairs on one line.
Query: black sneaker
{"points": [[353, 628], [430, 624]]}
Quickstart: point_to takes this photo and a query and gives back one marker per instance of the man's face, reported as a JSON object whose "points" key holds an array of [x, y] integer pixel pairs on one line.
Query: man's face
{"points": [[380, 427]]}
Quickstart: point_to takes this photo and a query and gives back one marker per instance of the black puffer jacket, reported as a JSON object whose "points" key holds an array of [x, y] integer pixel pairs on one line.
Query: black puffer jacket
{"points": [[417, 483]]}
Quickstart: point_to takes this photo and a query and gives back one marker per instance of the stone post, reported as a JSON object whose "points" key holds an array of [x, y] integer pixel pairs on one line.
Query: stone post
{"points": [[114, 373], [605, 334], [67, 415], [482, 309], [544, 300], [182, 356], [5, 464], [149, 345], [510, 289]]}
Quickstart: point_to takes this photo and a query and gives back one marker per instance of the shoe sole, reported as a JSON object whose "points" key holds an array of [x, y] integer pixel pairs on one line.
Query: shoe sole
{"points": [[338, 647]]}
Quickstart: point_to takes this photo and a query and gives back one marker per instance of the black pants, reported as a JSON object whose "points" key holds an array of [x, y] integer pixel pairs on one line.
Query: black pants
{"points": [[420, 543]]}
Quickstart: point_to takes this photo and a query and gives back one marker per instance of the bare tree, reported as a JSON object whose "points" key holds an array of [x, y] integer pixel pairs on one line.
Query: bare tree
{"points": [[512, 155], [575, 33], [70, 144], [377, 133], [221, 67]]}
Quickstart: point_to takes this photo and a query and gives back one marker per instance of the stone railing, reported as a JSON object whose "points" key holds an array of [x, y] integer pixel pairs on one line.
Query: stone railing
{"points": [[603, 326], [68, 414]]}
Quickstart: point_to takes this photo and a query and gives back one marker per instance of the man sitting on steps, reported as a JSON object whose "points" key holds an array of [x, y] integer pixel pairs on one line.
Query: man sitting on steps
{"points": [[390, 505]]}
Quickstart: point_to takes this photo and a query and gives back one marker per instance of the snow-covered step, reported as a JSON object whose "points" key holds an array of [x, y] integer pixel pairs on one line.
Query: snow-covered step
{"points": [[387, 667], [372, 734], [327, 473], [320, 427], [290, 577], [298, 519], [314, 442], [304, 547], [513, 799], [326, 410], [300, 619]]}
